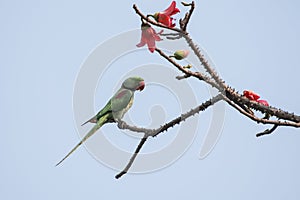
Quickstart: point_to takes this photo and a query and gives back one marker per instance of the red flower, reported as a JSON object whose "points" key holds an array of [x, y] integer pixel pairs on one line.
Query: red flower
{"points": [[254, 97], [263, 102], [165, 16], [149, 36], [251, 95]]}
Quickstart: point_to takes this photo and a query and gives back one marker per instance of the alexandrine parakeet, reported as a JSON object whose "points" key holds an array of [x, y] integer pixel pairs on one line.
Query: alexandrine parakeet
{"points": [[115, 108]]}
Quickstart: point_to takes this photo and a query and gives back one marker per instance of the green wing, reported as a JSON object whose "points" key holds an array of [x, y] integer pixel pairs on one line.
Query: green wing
{"points": [[117, 103], [105, 110], [121, 100]]}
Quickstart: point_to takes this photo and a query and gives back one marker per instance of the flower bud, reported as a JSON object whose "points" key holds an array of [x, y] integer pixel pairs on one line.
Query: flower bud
{"points": [[180, 54]]}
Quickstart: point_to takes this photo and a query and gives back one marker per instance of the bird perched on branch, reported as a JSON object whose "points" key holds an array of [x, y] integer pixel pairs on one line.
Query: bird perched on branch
{"points": [[115, 108]]}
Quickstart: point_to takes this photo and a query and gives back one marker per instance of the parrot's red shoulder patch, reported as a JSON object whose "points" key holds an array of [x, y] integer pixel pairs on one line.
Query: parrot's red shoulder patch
{"points": [[121, 94]]}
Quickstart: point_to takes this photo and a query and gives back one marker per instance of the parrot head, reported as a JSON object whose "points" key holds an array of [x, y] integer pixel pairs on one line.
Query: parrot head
{"points": [[134, 83]]}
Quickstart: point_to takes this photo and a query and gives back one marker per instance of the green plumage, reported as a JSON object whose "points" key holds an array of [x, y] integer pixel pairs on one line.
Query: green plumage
{"points": [[115, 108]]}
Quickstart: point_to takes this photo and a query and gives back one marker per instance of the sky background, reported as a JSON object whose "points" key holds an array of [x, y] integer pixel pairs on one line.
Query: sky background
{"points": [[253, 44]]}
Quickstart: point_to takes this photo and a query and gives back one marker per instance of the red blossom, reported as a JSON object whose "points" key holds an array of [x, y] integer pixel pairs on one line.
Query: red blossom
{"points": [[149, 36], [254, 97], [251, 95], [165, 16], [263, 102]]}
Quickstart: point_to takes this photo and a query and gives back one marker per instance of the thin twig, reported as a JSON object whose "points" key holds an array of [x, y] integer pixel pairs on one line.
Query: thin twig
{"points": [[174, 37], [124, 125], [185, 21], [137, 150], [171, 36], [198, 75], [267, 131]]}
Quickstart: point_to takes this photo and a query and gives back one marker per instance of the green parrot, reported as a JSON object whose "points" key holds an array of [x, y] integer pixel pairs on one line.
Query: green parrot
{"points": [[115, 108]]}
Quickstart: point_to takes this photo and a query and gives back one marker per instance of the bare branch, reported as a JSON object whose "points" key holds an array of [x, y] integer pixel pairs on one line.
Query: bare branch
{"points": [[124, 125], [178, 120], [186, 4], [165, 127], [183, 77], [171, 36], [205, 63], [137, 150], [190, 113], [267, 131], [183, 22]]}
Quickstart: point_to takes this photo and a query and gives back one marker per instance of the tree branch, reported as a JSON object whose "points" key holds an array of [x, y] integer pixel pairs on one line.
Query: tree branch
{"points": [[137, 150], [205, 63], [267, 131], [183, 22], [235, 97], [165, 127], [260, 120], [178, 120]]}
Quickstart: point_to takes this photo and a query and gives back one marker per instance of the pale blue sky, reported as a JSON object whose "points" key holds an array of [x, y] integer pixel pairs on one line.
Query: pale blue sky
{"points": [[254, 45]]}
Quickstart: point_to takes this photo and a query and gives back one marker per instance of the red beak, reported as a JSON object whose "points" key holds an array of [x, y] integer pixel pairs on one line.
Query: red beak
{"points": [[141, 86]]}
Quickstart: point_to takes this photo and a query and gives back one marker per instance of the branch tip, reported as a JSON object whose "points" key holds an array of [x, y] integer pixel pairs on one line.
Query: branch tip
{"points": [[186, 4], [267, 131]]}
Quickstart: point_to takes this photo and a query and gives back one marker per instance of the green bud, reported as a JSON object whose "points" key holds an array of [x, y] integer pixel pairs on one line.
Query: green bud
{"points": [[180, 54]]}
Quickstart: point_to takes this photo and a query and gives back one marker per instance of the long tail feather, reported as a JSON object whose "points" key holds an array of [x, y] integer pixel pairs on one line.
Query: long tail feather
{"points": [[89, 134]]}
